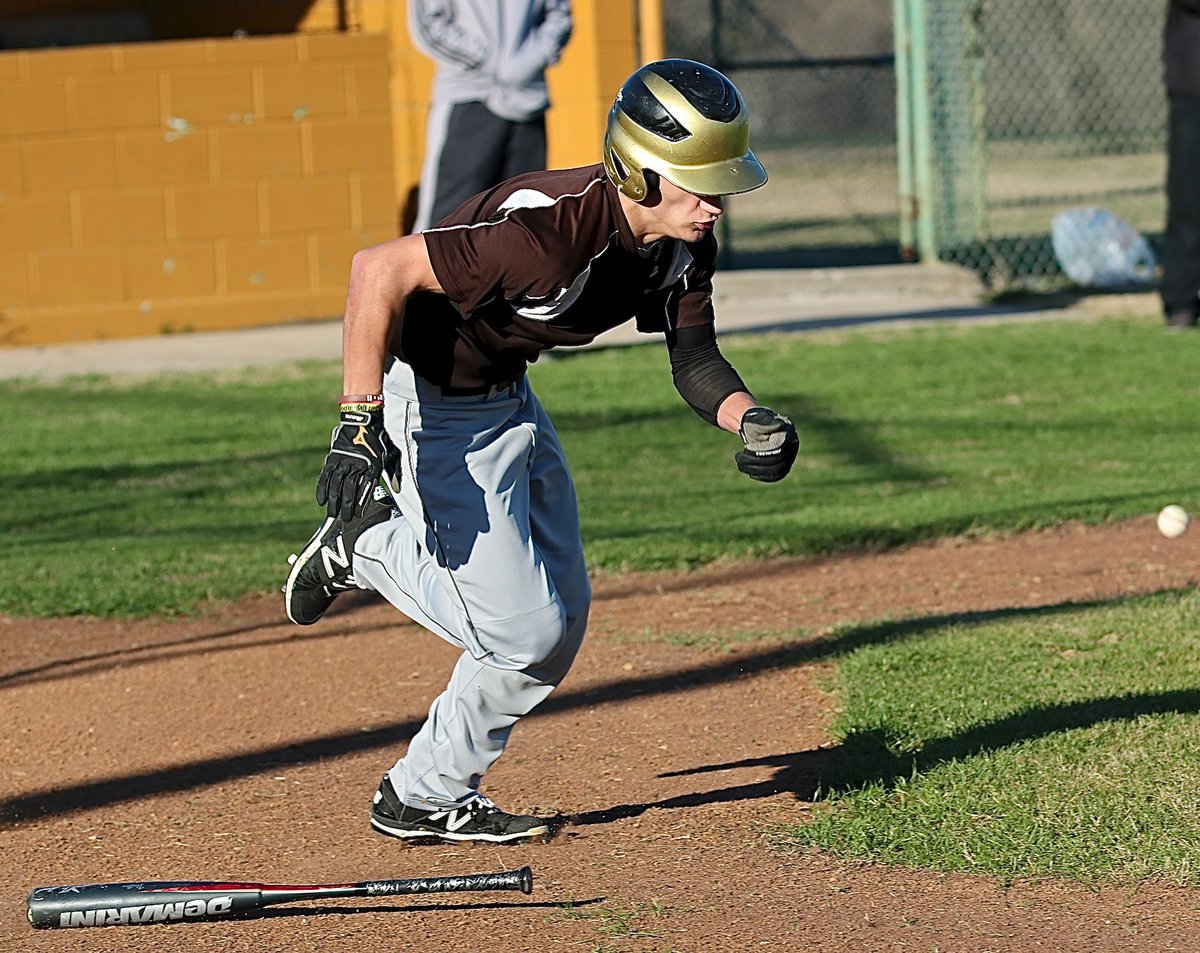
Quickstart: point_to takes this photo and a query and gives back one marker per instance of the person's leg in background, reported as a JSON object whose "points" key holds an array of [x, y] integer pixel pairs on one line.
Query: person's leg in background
{"points": [[465, 147], [1180, 288]]}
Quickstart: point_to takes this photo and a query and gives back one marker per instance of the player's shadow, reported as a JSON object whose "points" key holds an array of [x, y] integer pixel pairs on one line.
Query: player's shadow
{"points": [[866, 758], [199, 644]]}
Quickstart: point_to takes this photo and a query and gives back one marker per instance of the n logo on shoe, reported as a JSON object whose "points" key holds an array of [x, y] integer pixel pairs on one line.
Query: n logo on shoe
{"points": [[330, 556], [455, 819]]}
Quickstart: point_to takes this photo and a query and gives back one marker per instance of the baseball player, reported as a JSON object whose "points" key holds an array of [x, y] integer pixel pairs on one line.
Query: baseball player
{"points": [[445, 485]]}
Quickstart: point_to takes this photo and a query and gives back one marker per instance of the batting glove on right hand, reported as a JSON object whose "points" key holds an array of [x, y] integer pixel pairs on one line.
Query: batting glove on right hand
{"points": [[359, 451], [771, 445]]}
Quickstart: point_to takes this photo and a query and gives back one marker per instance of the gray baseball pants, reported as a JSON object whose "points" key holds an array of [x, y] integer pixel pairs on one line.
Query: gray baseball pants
{"points": [[487, 555]]}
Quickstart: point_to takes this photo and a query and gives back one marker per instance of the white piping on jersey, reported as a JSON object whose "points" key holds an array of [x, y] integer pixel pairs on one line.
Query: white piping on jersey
{"points": [[511, 208]]}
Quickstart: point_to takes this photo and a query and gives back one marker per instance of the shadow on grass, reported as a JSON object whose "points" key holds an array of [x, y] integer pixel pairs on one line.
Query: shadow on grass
{"points": [[862, 759]]}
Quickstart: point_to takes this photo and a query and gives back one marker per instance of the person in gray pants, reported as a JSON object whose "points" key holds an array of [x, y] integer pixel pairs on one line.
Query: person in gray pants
{"points": [[446, 487], [487, 110]]}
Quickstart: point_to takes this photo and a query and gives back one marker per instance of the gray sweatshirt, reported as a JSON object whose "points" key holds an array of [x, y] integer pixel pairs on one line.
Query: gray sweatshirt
{"points": [[492, 51]]}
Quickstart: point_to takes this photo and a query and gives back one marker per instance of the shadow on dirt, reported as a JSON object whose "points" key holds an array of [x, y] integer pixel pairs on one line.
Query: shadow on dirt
{"points": [[409, 909], [203, 644]]}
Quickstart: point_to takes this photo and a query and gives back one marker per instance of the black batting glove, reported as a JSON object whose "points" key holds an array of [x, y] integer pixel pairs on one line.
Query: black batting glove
{"points": [[771, 445], [359, 451]]}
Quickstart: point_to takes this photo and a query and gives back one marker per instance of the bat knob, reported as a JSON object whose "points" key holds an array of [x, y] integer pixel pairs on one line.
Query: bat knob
{"points": [[525, 875]]}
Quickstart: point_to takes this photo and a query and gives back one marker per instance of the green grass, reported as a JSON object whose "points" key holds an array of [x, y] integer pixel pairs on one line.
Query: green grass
{"points": [[135, 498], [1022, 743]]}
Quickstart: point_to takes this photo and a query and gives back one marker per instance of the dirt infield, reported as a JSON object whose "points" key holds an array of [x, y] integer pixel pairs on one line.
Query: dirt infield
{"points": [[235, 746]]}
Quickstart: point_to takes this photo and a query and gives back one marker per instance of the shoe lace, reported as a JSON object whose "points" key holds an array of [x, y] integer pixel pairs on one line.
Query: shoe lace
{"points": [[482, 804]]}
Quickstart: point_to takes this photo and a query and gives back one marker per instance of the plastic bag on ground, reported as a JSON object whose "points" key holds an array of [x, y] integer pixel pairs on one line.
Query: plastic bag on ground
{"points": [[1098, 250]]}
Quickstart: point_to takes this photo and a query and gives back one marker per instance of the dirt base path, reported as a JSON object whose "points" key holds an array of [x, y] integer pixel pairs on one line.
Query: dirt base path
{"points": [[238, 747]]}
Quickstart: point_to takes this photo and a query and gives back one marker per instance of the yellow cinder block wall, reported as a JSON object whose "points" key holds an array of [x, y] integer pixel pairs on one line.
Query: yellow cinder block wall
{"points": [[151, 188]]}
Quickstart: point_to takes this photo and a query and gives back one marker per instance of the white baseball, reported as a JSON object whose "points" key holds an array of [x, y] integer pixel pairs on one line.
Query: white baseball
{"points": [[1173, 521]]}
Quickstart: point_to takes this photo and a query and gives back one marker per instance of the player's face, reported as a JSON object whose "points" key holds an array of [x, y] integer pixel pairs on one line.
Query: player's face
{"points": [[685, 216]]}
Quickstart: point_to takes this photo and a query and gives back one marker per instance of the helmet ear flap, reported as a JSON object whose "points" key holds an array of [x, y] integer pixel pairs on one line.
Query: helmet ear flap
{"points": [[631, 182], [651, 179]]}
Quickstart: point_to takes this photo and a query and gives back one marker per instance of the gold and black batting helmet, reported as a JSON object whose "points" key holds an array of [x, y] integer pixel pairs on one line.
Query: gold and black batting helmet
{"points": [[686, 122]]}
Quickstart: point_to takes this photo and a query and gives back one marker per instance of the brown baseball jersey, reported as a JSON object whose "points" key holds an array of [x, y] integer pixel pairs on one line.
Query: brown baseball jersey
{"points": [[544, 260]]}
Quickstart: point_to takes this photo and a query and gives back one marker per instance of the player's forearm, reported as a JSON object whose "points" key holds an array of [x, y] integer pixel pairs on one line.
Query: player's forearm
{"points": [[363, 355], [366, 327]]}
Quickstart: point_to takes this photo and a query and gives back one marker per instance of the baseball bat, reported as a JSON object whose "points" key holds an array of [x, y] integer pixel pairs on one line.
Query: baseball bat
{"points": [[118, 904]]}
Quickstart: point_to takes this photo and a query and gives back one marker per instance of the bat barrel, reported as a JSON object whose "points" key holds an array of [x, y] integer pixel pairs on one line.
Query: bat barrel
{"points": [[96, 905]]}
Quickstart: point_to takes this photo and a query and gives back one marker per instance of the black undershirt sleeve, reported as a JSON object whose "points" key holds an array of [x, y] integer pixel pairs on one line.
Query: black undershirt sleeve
{"points": [[702, 375]]}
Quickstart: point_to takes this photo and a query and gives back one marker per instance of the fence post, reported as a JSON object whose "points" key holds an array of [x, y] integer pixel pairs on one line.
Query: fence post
{"points": [[922, 131], [914, 147], [902, 42]]}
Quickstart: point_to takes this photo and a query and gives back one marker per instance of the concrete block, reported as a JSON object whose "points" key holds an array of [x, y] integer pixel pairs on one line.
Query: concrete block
{"points": [[308, 204], [115, 102], [378, 206], [34, 222], [256, 150], [175, 271], [211, 95], [163, 157], [275, 264], [372, 90], [76, 162], [14, 280], [12, 181], [32, 108], [214, 211], [77, 277], [352, 145], [122, 217], [301, 92]]}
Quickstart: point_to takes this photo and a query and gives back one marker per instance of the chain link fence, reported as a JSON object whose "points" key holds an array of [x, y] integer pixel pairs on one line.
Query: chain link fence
{"points": [[939, 129], [819, 80], [1015, 110]]}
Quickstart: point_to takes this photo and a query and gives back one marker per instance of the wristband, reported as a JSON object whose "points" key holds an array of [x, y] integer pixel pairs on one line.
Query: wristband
{"points": [[360, 407]]}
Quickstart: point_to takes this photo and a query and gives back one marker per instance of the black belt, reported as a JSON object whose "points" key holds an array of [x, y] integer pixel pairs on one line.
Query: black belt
{"points": [[479, 391], [483, 390]]}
